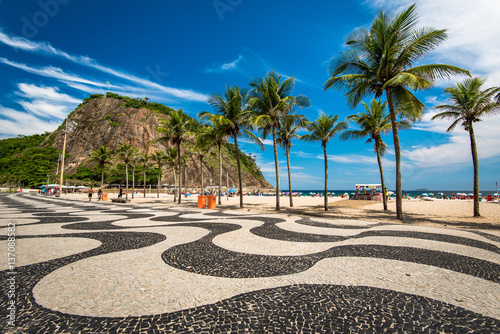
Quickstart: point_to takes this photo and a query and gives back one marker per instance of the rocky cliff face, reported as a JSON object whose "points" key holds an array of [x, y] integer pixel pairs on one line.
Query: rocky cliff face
{"points": [[106, 121]]}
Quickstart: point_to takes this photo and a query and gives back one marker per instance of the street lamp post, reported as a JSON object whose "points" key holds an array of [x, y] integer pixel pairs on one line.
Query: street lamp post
{"points": [[69, 127]]}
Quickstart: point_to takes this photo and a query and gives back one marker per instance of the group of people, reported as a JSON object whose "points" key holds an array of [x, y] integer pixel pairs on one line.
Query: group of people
{"points": [[99, 194]]}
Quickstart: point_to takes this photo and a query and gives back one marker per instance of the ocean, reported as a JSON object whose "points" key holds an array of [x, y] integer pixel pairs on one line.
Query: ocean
{"points": [[412, 193]]}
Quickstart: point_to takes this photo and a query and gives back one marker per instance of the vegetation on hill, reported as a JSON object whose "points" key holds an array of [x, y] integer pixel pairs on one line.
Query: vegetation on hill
{"points": [[30, 161]]}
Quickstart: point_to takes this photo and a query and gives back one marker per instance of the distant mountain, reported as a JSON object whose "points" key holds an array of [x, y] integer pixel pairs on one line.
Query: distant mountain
{"points": [[421, 190], [114, 120]]}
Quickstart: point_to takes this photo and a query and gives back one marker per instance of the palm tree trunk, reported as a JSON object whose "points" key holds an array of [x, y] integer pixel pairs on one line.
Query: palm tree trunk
{"points": [[289, 175], [326, 178], [397, 151], [476, 170], [239, 170], [126, 181], [133, 181], [144, 181], [180, 172], [220, 174], [159, 178], [379, 160], [201, 168], [175, 185], [278, 207], [102, 177]]}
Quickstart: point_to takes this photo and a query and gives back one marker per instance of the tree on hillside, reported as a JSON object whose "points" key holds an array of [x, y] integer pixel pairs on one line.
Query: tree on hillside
{"points": [[231, 115], [323, 129], [382, 60], [374, 122], [468, 104], [290, 124], [269, 101]]}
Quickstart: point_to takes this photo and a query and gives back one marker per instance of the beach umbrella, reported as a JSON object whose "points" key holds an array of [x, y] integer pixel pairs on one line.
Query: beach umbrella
{"points": [[425, 194], [232, 190], [495, 194]]}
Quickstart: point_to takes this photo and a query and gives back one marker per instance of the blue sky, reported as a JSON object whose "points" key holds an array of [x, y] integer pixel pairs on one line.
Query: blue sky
{"points": [[54, 53]]}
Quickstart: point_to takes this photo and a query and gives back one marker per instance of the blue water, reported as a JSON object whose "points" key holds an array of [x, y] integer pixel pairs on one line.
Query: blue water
{"points": [[412, 193]]}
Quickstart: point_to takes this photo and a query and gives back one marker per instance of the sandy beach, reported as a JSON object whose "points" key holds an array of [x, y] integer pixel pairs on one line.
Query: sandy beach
{"points": [[452, 213]]}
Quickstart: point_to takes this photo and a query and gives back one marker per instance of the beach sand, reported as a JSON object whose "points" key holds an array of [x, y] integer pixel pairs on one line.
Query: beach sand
{"points": [[451, 213]]}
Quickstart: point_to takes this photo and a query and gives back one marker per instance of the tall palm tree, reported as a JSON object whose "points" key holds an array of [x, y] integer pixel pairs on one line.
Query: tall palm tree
{"points": [[374, 122], [126, 153], [175, 129], [159, 157], [468, 104], [203, 146], [382, 60], [144, 163], [290, 124], [171, 160], [270, 100], [134, 162], [102, 156], [231, 114], [323, 129]]}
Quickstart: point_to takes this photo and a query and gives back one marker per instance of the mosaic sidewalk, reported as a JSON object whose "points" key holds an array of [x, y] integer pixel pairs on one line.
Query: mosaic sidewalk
{"points": [[94, 267]]}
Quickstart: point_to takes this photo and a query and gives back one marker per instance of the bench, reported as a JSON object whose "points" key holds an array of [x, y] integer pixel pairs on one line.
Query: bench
{"points": [[120, 200]]}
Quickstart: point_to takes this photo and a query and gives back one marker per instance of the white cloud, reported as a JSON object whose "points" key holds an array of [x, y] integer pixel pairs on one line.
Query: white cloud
{"points": [[50, 72], [13, 123], [47, 49], [45, 109], [472, 28], [224, 67], [47, 93]]}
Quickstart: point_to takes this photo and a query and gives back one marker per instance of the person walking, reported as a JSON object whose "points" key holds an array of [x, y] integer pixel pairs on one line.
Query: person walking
{"points": [[91, 191], [99, 194]]}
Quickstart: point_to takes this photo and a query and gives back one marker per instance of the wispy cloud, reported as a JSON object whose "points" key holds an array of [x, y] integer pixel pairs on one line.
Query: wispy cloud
{"points": [[14, 122], [224, 67], [31, 91], [48, 50]]}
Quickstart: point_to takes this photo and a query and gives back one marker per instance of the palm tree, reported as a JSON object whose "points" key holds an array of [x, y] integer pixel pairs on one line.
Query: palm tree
{"points": [[290, 124], [468, 104], [171, 159], [144, 162], [231, 114], [126, 154], [159, 157], [270, 100], [323, 129], [133, 162], [374, 122], [203, 146], [175, 130], [102, 156], [382, 60]]}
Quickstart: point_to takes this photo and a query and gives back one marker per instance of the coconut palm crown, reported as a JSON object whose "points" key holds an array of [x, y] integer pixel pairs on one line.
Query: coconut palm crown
{"points": [[373, 123], [231, 115], [383, 59], [468, 104], [323, 129], [270, 100]]}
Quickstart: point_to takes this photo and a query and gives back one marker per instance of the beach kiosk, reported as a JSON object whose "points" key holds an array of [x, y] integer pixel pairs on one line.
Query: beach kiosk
{"points": [[366, 191]]}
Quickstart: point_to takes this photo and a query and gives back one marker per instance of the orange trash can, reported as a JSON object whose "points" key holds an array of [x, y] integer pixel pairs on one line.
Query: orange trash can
{"points": [[202, 202], [211, 201], [104, 197]]}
